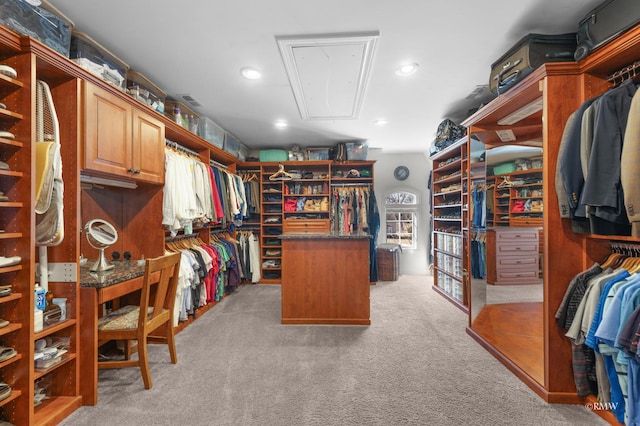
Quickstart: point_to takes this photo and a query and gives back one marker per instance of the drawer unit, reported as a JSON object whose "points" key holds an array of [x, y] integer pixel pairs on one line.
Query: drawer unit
{"points": [[513, 256], [306, 226]]}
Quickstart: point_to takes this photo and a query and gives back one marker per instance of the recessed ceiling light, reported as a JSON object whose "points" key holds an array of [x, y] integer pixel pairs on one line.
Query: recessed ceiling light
{"points": [[380, 122], [407, 69], [251, 73], [281, 124]]}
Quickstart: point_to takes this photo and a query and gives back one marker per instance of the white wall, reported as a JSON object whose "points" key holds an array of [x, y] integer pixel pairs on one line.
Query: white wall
{"points": [[414, 261]]}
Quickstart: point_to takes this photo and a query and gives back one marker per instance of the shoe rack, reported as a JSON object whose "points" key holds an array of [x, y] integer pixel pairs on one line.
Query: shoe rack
{"points": [[450, 207], [19, 378]]}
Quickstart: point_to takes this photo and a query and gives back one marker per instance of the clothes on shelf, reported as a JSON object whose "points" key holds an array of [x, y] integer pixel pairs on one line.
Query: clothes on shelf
{"points": [[195, 192], [595, 188], [600, 313]]}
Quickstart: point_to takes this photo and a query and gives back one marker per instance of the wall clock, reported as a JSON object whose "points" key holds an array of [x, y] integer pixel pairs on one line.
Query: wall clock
{"points": [[401, 172]]}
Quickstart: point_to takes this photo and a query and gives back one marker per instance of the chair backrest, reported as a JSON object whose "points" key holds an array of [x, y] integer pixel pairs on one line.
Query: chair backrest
{"points": [[160, 286]]}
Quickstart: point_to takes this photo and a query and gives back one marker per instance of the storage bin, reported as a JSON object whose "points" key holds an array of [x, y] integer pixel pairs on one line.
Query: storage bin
{"points": [[189, 118], [231, 144], [357, 151], [317, 154], [141, 88], [504, 168], [99, 61], [388, 258], [272, 155], [43, 23], [211, 132], [243, 152]]}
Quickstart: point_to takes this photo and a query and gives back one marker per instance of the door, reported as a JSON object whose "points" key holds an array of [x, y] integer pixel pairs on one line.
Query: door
{"points": [[107, 145], [147, 148]]}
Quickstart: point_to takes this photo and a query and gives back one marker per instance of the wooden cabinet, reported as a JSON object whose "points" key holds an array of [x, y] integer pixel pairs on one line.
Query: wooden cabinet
{"points": [[450, 205], [325, 279], [121, 140], [512, 256]]}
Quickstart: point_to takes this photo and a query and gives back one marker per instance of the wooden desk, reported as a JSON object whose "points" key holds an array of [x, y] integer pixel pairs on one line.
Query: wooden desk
{"points": [[325, 279], [96, 289]]}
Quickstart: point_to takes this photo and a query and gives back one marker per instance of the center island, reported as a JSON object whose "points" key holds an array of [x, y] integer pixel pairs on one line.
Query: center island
{"points": [[325, 279]]}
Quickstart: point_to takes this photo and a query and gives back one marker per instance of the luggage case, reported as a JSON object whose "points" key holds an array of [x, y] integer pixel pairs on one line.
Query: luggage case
{"points": [[604, 23], [528, 54]]}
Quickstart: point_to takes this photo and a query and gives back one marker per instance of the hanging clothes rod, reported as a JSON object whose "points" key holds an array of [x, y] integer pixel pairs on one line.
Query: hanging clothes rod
{"points": [[180, 237], [628, 249], [214, 163], [218, 231], [177, 146], [351, 184], [625, 73]]}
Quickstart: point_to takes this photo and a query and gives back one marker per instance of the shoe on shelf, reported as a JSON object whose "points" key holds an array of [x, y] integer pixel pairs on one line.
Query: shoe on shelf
{"points": [[7, 353], [9, 261]]}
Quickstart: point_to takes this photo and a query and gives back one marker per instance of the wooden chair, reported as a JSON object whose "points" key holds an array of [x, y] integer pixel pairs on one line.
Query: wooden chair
{"points": [[151, 321]]}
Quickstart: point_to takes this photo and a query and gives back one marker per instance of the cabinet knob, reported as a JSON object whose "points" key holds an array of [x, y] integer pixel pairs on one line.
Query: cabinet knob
{"points": [[131, 170], [137, 172]]}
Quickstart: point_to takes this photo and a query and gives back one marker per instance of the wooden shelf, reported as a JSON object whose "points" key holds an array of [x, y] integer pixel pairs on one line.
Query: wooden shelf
{"points": [[66, 358]]}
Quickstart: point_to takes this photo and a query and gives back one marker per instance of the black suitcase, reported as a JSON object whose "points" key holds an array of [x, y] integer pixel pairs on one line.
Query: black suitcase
{"points": [[604, 23], [528, 54]]}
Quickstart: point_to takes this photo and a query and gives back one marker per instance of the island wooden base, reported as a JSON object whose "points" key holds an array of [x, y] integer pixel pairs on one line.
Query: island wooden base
{"points": [[325, 280]]}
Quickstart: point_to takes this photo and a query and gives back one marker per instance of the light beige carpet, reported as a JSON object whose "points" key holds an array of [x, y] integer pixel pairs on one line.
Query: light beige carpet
{"points": [[414, 365]]}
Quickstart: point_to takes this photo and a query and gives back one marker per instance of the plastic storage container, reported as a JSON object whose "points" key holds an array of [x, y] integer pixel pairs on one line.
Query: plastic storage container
{"points": [[211, 132], [504, 168], [270, 155], [231, 144], [44, 23], [357, 151], [99, 61], [316, 154], [141, 88]]}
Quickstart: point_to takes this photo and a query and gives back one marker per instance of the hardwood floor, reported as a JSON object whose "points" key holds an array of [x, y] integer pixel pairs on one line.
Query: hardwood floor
{"points": [[515, 329]]}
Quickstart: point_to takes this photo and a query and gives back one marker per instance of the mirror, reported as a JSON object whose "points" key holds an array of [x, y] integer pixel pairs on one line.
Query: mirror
{"points": [[100, 235], [505, 247]]}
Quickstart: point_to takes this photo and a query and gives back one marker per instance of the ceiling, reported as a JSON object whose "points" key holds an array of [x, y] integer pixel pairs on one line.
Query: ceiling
{"points": [[198, 47]]}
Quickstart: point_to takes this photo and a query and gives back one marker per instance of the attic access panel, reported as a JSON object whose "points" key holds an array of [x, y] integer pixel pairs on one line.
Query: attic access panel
{"points": [[328, 73]]}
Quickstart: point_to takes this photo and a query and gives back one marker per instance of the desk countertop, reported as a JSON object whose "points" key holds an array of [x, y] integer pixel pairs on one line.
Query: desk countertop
{"points": [[325, 236], [123, 271]]}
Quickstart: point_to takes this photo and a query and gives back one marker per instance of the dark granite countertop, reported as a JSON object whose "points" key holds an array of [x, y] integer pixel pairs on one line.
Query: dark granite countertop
{"points": [[124, 270], [327, 236]]}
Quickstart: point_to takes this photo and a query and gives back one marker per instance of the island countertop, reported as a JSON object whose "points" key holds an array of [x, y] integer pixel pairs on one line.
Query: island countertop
{"points": [[324, 236]]}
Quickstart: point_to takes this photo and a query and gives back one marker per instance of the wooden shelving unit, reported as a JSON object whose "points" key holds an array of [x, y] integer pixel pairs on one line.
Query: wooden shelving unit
{"points": [[450, 201]]}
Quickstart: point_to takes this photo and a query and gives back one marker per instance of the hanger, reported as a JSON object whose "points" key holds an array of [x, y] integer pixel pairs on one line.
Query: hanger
{"points": [[611, 260], [280, 174], [506, 182]]}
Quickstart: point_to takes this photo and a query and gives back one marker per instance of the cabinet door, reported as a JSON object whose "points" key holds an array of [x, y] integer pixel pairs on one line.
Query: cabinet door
{"points": [[148, 147], [107, 144]]}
